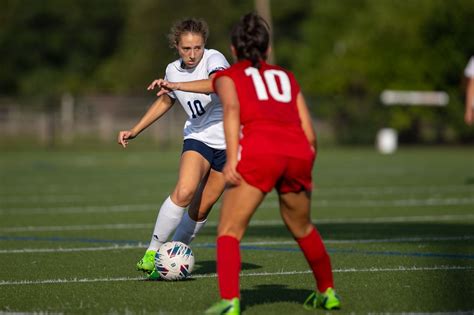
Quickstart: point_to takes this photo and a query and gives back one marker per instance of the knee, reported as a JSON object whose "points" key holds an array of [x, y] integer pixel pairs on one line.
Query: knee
{"points": [[299, 228], [182, 195], [302, 230], [230, 231]]}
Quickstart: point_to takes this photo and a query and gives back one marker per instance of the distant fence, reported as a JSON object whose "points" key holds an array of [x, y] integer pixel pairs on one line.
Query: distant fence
{"points": [[69, 119]]}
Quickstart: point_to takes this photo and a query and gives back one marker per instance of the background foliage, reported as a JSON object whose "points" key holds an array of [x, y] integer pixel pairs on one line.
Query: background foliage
{"points": [[343, 52]]}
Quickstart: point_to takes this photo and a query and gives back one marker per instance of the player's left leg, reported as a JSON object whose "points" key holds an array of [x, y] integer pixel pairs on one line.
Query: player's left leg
{"points": [[213, 187], [295, 209], [295, 206]]}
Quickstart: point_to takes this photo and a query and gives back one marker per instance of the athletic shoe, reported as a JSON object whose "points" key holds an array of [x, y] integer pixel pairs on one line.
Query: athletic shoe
{"points": [[229, 307], [154, 275], [147, 263], [328, 300]]}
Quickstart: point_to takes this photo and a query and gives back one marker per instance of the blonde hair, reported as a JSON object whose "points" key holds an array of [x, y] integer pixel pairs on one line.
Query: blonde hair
{"points": [[190, 25]]}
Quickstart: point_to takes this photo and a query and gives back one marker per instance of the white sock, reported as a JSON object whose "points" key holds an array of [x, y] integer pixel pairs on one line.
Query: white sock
{"points": [[168, 219], [187, 229]]}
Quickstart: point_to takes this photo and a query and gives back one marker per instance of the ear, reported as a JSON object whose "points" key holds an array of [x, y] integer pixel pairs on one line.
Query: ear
{"points": [[233, 51], [268, 52]]}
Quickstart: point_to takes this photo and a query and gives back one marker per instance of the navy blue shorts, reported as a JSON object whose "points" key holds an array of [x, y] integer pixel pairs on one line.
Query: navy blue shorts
{"points": [[215, 157]]}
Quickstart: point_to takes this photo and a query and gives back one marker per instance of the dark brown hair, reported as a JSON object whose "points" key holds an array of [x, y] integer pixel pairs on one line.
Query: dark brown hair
{"points": [[250, 38]]}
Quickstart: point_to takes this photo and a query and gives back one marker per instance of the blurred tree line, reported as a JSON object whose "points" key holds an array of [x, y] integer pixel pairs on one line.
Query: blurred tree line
{"points": [[343, 52]]}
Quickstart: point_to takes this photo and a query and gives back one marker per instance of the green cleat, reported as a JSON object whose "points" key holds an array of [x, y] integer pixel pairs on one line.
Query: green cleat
{"points": [[328, 300], [154, 275], [230, 307], [147, 263]]}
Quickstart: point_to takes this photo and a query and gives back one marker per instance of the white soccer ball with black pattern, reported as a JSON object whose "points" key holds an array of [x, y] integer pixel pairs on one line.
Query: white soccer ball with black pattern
{"points": [[174, 261]]}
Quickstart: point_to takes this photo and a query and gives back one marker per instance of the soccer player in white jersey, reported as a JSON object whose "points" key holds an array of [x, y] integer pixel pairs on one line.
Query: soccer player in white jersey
{"points": [[469, 73], [200, 181]]}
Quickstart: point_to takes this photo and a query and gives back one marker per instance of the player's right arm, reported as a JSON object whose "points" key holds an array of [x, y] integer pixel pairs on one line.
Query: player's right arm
{"points": [[225, 88], [469, 113], [157, 109], [306, 121]]}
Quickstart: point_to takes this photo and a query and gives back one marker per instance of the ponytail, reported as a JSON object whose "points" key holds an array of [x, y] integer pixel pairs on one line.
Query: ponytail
{"points": [[250, 38]]}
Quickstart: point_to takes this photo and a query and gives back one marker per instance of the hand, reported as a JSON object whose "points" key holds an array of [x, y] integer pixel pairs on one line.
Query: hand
{"points": [[231, 175], [124, 136], [165, 86]]}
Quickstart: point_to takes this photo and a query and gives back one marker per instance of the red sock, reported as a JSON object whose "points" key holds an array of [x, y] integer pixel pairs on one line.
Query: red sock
{"points": [[318, 259], [228, 266]]}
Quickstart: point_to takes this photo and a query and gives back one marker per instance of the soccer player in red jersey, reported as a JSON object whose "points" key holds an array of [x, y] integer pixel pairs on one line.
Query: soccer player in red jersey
{"points": [[271, 143]]}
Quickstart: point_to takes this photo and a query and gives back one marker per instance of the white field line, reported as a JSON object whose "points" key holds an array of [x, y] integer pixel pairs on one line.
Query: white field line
{"points": [[388, 190], [133, 226], [70, 250], [318, 203], [86, 209], [51, 192], [395, 203], [257, 243], [87, 227], [244, 274]]}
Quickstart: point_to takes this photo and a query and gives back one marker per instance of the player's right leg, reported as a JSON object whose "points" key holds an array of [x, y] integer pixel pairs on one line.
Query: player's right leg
{"points": [[238, 205], [295, 211], [193, 168]]}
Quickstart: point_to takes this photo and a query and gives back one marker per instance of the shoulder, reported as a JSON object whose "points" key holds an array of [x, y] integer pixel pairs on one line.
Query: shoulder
{"points": [[215, 56], [173, 67], [279, 68], [213, 52], [233, 70], [291, 77], [215, 61]]}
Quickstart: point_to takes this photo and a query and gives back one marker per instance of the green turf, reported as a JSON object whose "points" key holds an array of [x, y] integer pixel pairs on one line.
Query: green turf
{"points": [[399, 229]]}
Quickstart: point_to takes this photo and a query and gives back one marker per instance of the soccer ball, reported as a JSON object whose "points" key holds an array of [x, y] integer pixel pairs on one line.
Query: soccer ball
{"points": [[174, 261]]}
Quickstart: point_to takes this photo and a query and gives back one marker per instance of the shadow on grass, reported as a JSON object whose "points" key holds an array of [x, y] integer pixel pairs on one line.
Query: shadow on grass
{"points": [[209, 266], [446, 247], [273, 293], [355, 231]]}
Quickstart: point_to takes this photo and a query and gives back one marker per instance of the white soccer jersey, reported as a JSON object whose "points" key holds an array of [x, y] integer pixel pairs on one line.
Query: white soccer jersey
{"points": [[204, 110], [469, 71]]}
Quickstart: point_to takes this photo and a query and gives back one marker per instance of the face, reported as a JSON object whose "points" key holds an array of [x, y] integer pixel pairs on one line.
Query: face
{"points": [[190, 49]]}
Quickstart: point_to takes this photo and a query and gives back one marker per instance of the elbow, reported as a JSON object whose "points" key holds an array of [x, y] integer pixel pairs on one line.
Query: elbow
{"points": [[312, 139]]}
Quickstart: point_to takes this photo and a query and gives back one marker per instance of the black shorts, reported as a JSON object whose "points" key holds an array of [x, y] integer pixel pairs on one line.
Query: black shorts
{"points": [[215, 157]]}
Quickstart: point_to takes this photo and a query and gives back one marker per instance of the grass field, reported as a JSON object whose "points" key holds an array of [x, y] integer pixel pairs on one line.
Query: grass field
{"points": [[399, 229]]}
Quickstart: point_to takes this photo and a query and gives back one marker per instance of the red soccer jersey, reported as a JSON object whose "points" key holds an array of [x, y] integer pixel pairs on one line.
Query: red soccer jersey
{"points": [[268, 113]]}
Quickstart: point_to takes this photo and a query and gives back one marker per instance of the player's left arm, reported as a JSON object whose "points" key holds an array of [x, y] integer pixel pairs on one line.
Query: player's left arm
{"points": [[225, 88], [306, 121]]}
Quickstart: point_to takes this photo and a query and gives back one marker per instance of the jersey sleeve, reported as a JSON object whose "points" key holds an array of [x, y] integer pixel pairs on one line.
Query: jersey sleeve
{"points": [[469, 71], [216, 62], [220, 74]]}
